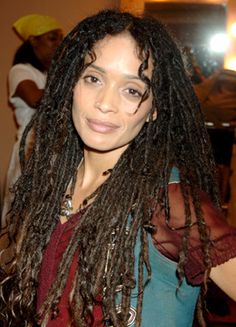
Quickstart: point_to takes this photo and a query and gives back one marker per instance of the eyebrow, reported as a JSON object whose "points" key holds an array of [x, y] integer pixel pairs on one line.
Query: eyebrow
{"points": [[102, 70]]}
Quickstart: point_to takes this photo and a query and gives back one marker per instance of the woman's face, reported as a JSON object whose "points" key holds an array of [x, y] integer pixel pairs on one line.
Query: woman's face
{"points": [[45, 46], [106, 111]]}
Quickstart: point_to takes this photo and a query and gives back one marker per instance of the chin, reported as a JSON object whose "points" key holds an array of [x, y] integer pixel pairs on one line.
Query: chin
{"points": [[97, 143], [99, 148]]}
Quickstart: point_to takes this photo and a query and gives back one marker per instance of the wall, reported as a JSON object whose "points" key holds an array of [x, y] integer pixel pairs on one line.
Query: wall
{"points": [[230, 57], [68, 13]]}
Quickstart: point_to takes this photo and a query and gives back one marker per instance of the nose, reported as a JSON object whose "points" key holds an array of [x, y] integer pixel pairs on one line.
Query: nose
{"points": [[106, 100]]}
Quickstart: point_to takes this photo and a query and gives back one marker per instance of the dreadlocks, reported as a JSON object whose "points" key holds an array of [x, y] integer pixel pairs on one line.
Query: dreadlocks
{"points": [[177, 138]]}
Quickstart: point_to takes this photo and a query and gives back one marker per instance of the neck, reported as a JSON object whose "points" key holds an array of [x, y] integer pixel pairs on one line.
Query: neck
{"points": [[96, 164], [92, 172], [44, 63]]}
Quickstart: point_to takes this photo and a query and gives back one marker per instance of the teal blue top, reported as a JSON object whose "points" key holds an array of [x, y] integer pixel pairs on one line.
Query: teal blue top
{"points": [[163, 304]]}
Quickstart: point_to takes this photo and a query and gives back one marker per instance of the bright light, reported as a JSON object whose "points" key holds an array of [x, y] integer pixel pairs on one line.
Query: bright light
{"points": [[231, 63], [219, 42], [233, 29]]}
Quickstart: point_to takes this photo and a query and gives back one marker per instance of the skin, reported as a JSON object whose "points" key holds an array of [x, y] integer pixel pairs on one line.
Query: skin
{"points": [[44, 47], [105, 109], [225, 276], [28, 91]]}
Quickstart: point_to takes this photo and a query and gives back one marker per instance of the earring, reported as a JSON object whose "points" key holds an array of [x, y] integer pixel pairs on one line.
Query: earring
{"points": [[153, 115]]}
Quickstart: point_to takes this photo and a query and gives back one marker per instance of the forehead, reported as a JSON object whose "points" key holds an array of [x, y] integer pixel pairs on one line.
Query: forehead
{"points": [[121, 49], [122, 43], [53, 33], [124, 38]]}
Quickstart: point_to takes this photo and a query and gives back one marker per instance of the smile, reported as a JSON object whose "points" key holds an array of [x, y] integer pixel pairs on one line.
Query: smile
{"points": [[101, 126]]}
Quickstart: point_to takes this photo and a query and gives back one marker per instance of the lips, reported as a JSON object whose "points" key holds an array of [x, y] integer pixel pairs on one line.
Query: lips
{"points": [[101, 126]]}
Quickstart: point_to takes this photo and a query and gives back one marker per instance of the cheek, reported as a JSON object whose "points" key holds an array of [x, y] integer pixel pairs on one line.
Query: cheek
{"points": [[78, 93], [76, 97], [135, 127], [82, 99], [142, 116], [144, 112], [74, 116], [48, 48], [80, 103], [75, 107], [77, 120]]}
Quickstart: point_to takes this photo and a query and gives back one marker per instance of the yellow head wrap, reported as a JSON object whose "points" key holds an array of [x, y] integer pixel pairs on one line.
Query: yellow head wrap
{"points": [[35, 25]]}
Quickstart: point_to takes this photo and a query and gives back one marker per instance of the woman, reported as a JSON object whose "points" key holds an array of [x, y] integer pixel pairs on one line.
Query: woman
{"points": [[116, 212], [41, 36]]}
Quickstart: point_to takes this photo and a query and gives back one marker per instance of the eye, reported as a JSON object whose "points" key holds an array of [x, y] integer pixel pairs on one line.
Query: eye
{"points": [[134, 93], [91, 79]]}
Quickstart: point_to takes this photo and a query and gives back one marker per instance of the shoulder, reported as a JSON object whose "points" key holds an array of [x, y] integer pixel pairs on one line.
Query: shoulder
{"points": [[22, 72], [24, 69], [213, 216]]}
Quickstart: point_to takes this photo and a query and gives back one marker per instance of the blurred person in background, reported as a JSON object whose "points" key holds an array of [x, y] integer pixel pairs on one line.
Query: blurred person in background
{"points": [[41, 36], [217, 95]]}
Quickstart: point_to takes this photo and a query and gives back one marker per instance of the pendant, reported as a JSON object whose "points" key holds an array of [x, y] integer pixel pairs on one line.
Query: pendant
{"points": [[131, 317], [66, 208]]}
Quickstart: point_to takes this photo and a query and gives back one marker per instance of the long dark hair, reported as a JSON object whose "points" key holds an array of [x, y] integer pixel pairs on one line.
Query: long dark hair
{"points": [[176, 138], [25, 55]]}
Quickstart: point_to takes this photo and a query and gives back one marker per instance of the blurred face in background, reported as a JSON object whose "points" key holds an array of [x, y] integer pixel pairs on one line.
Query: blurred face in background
{"points": [[45, 45]]}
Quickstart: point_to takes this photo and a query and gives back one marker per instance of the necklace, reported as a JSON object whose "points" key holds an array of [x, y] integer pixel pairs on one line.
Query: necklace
{"points": [[66, 207]]}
